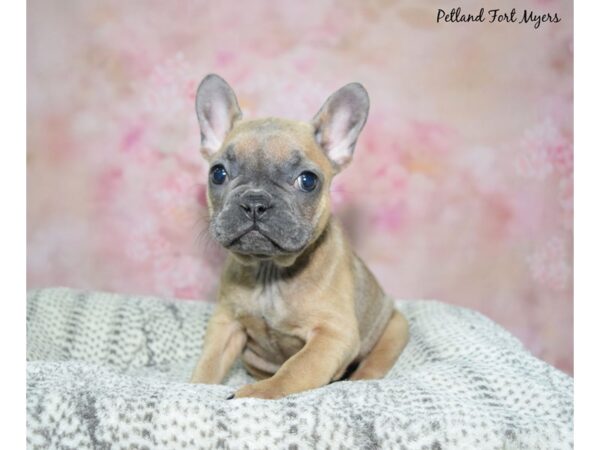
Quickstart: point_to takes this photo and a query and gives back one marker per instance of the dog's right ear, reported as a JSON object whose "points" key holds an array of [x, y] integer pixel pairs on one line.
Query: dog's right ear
{"points": [[217, 110]]}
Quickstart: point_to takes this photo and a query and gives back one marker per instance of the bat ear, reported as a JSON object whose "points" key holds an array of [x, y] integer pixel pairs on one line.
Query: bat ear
{"points": [[217, 110], [339, 122]]}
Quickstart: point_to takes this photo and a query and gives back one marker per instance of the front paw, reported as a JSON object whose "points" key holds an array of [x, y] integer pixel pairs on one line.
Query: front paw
{"points": [[267, 389]]}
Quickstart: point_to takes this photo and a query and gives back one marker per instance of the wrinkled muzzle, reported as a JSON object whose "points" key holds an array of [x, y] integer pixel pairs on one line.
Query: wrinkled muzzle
{"points": [[257, 222]]}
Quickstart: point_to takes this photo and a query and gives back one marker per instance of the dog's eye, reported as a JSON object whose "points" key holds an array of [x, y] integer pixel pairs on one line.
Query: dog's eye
{"points": [[218, 174], [307, 181]]}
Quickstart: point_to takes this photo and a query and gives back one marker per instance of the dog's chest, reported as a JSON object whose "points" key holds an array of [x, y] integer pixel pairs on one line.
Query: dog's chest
{"points": [[270, 318], [267, 303]]}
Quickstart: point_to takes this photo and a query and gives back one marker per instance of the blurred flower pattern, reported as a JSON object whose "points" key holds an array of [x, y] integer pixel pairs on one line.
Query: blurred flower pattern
{"points": [[462, 184]]}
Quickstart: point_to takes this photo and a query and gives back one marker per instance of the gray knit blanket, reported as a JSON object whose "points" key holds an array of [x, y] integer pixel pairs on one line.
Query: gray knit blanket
{"points": [[110, 371]]}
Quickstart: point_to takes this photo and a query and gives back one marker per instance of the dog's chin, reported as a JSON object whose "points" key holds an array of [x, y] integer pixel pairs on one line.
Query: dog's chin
{"points": [[255, 245]]}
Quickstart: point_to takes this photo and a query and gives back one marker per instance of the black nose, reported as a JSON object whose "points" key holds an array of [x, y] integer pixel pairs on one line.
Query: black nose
{"points": [[255, 204]]}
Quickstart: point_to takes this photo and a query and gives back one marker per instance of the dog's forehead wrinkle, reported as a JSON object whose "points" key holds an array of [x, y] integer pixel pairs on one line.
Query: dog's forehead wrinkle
{"points": [[266, 164], [294, 161], [261, 157], [230, 152]]}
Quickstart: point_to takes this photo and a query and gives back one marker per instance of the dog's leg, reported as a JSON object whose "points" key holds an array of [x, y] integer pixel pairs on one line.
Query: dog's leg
{"points": [[326, 353], [385, 352], [224, 341]]}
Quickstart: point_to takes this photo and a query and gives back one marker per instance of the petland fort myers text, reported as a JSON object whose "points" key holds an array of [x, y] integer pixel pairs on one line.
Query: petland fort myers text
{"points": [[526, 16]]}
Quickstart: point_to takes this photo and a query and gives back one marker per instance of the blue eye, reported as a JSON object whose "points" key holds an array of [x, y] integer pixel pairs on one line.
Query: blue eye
{"points": [[307, 181], [218, 174]]}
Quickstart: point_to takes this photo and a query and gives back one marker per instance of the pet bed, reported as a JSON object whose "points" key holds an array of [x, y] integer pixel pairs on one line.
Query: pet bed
{"points": [[111, 371]]}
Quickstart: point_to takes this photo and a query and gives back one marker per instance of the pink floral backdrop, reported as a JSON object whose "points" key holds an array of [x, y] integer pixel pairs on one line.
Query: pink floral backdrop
{"points": [[462, 185]]}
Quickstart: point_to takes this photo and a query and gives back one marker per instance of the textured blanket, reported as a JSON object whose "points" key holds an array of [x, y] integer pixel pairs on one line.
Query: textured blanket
{"points": [[111, 371]]}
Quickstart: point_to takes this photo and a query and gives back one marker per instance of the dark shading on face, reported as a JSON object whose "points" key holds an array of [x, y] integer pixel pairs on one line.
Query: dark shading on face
{"points": [[264, 206]]}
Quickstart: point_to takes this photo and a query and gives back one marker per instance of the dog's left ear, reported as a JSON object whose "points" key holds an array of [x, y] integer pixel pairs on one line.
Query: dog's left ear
{"points": [[217, 109], [339, 122]]}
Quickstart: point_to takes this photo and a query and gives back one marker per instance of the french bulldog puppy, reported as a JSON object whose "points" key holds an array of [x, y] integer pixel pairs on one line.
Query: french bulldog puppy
{"points": [[295, 302]]}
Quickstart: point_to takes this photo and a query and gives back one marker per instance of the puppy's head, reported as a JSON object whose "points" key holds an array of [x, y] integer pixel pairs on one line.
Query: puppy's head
{"points": [[269, 179]]}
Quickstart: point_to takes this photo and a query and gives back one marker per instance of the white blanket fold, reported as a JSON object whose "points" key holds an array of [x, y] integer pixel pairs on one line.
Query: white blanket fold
{"points": [[110, 371]]}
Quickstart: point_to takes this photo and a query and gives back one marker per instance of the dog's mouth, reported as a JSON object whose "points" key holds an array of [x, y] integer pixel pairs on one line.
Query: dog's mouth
{"points": [[256, 242]]}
